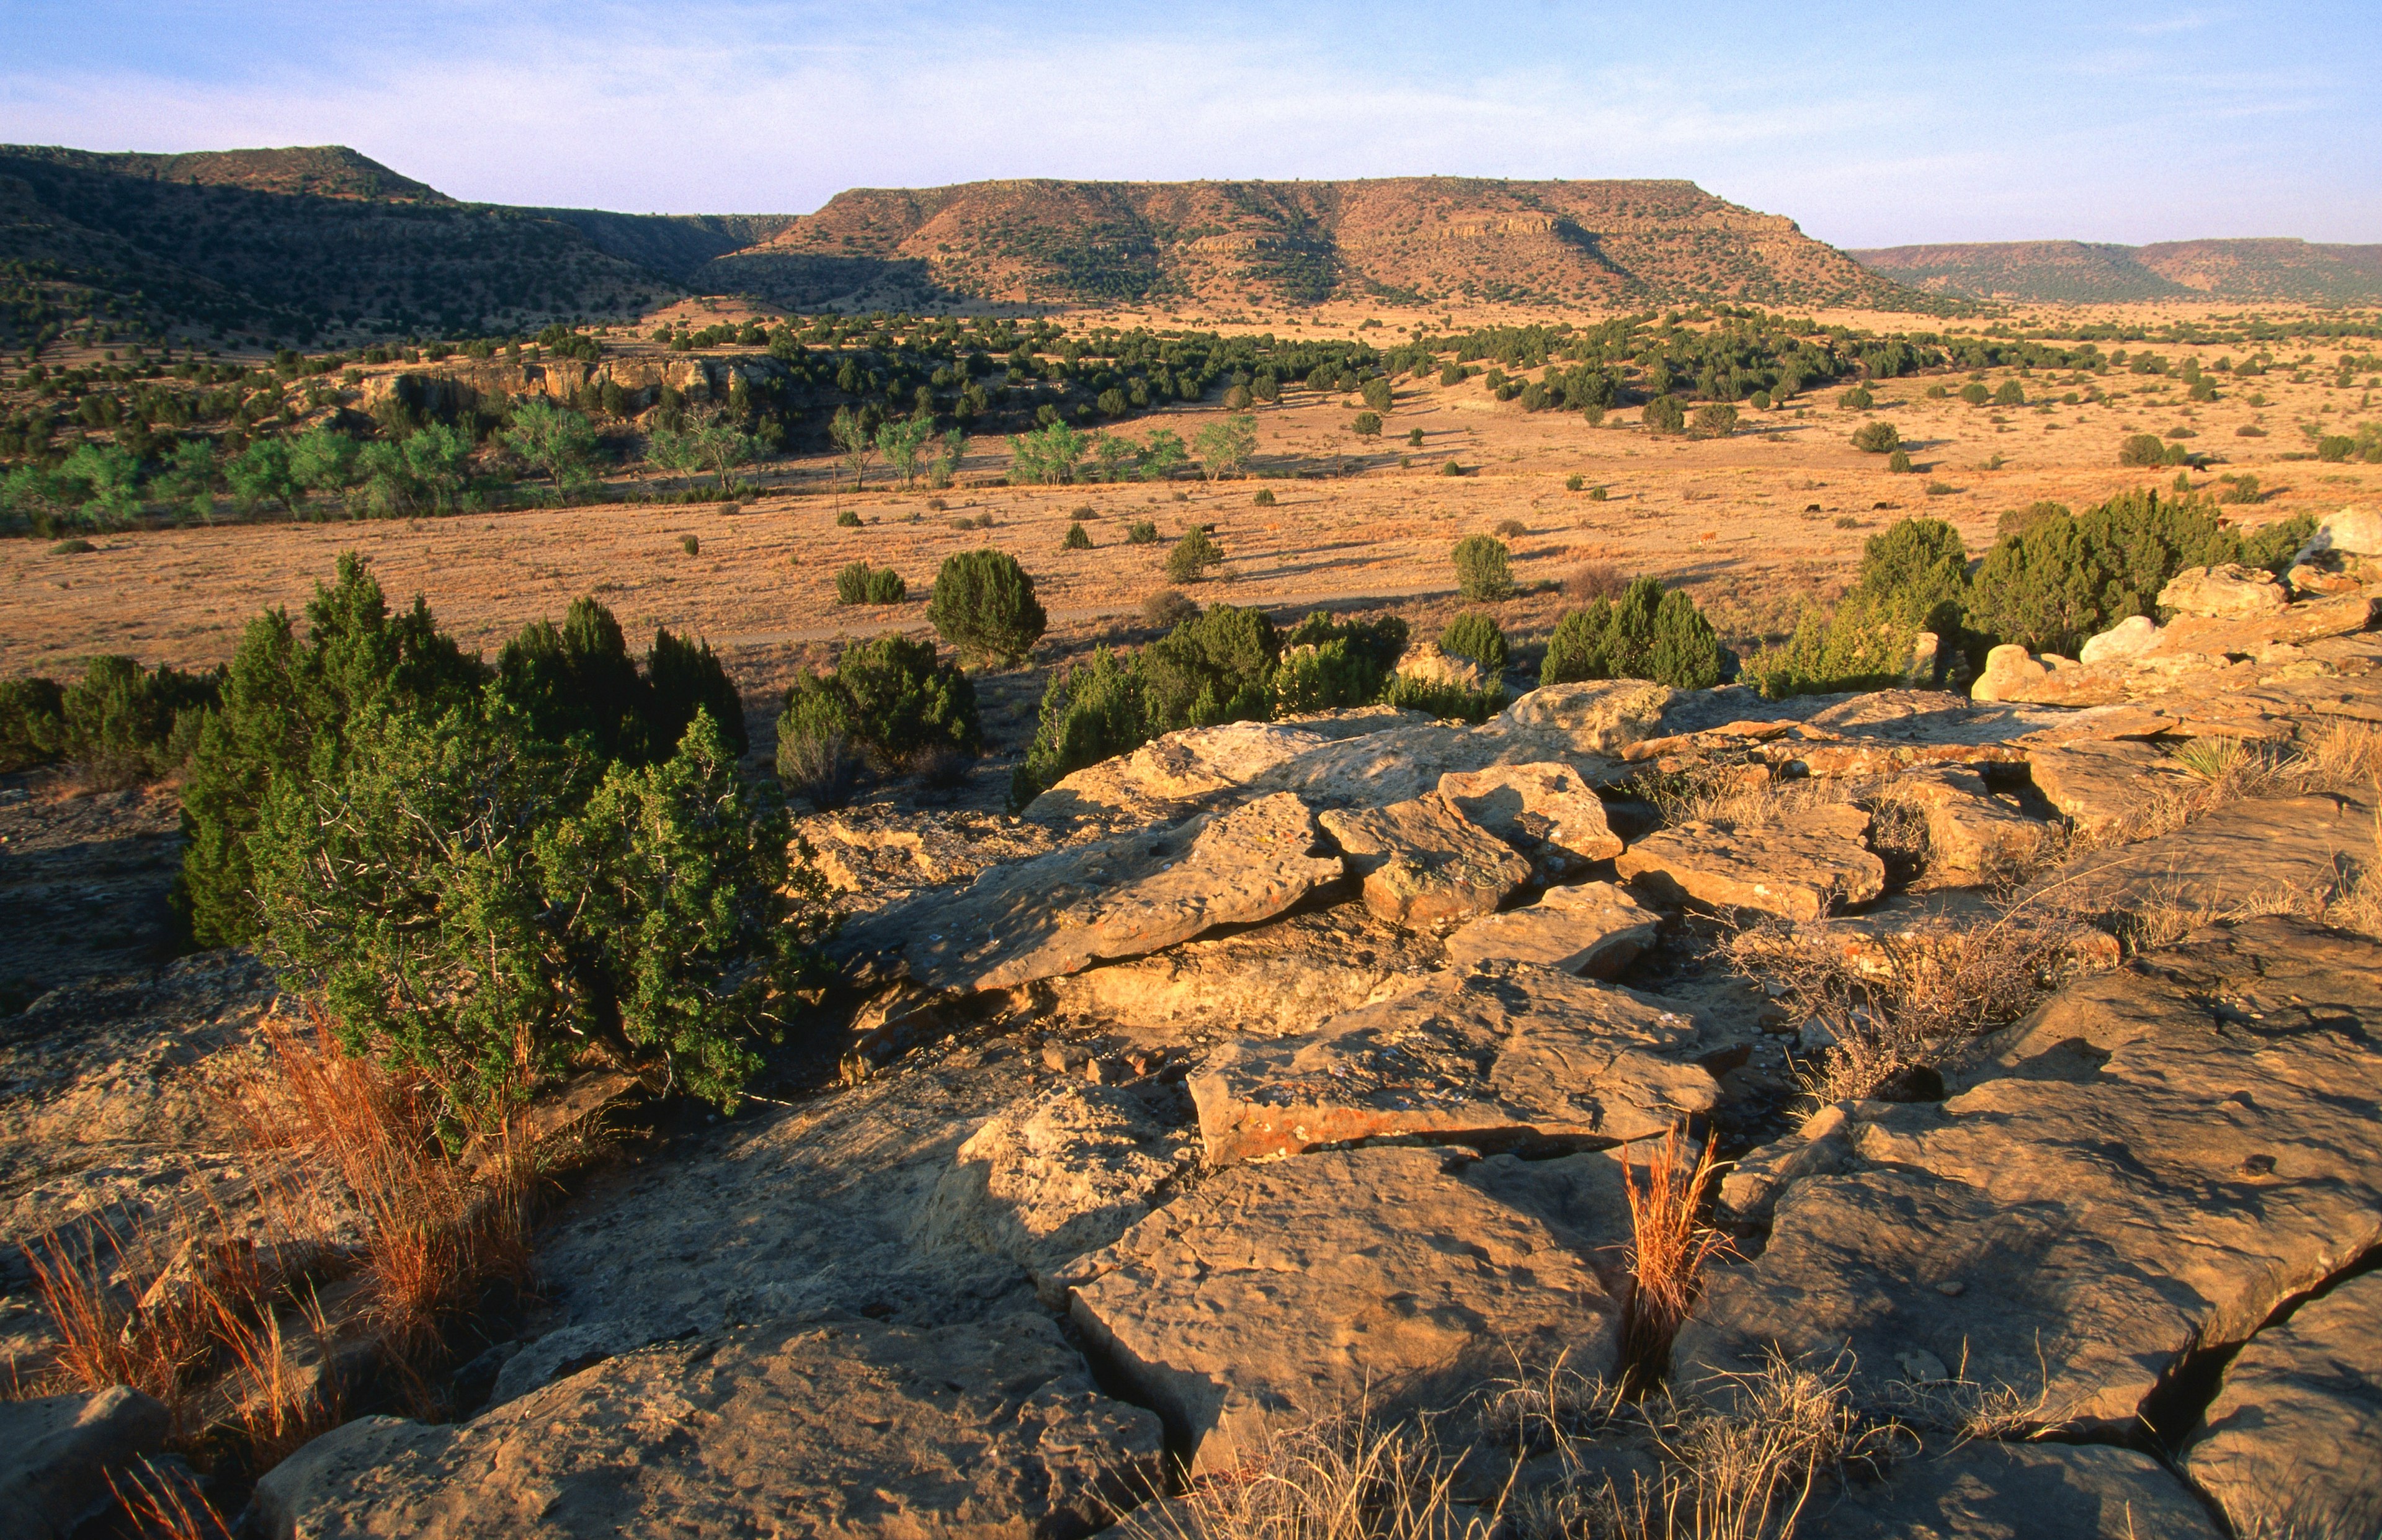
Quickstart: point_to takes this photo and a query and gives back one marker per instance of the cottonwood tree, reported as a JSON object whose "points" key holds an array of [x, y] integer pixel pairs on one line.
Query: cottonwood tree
{"points": [[1226, 444]]}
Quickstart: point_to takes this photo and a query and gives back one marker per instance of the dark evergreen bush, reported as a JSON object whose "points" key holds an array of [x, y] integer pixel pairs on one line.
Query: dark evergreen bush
{"points": [[984, 606], [1484, 568], [889, 693], [1478, 637]]}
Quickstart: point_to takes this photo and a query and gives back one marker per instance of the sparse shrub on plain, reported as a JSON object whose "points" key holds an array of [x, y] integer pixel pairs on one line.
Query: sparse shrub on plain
{"points": [[863, 584], [1141, 531], [847, 519], [1451, 469], [1876, 439], [1512, 529], [1857, 399], [1077, 539], [2141, 449], [1192, 555], [1264, 498], [1367, 425], [1478, 637], [1484, 568], [1168, 608], [1596, 579], [1573, 481], [1899, 463], [1664, 415], [984, 606], [1714, 420]]}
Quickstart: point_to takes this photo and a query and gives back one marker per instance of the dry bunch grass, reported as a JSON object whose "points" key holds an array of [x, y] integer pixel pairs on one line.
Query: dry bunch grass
{"points": [[1345, 1477], [165, 1506], [1913, 999], [1669, 1248]]}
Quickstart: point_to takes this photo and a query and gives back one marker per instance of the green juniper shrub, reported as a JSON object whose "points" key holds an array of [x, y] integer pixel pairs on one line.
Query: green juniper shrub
{"points": [[32, 723], [984, 606], [2011, 393], [847, 519], [1167, 609], [1090, 712], [1876, 439], [1436, 698], [2141, 449], [1714, 420], [1327, 665], [1857, 399], [1451, 469], [1484, 572], [1141, 531], [1210, 669], [1077, 539], [1573, 481], [682, 676], [1645, 634], [692, 545], [1898, 462], [1414, 439], [1264, 498], [1975, 394], [1192, 556], [2061, 577], [1664, 415], [1478, 637], [123, 727], [1367, 425], [1859, 644], [578, 679], [892, 694]]}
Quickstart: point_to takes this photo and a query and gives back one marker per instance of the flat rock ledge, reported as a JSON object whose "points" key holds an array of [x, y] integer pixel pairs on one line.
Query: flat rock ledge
{"points": [[848, 1429], [1510, 1057], [1425, 863], [1391, 1278], [1593, 929], [2144, 1168], [1799, 869]]}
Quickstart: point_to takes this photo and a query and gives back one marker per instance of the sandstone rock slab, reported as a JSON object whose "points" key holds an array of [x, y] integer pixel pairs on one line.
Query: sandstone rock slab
{"points": [[2149, 1165], [1157, 780], [2097, 785], [57, 1451], [844, 1429], [1800, 868], [2352, 531], [2293, 1444], [1065, 1173], [1969, 829], [2227, 591], [1277, 1293], [1593, 929], [2225, 636], [1121, 896], [1986, 1491], [1509, 1056], [2269, 851], [1545, 810], [1424, 863], [2132, 637]]}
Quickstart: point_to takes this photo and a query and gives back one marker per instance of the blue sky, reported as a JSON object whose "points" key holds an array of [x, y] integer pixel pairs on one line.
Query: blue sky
{"points": [[1871, 125]]}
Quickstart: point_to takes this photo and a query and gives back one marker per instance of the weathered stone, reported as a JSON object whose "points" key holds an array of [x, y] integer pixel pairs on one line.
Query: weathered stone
{"points": [[2227, 591], [851, 1428], [1425, 662], [1987, 1491], [1594, 929], [1800, 868], [1969, 829], [2264, 852], [2132, 637], [1045, 1181], [1273, 979], [1545, 810], [2254, 636], [1117, 898], [1602, 717], [2293, 1444], [1424, 863], [2147, 1166], [57, 1451], [878, 855], [2011, 673], [1277, 1293], [1157, 780], [2097, 785], [2309, 581], [2352, 531], [1511, 1057]]}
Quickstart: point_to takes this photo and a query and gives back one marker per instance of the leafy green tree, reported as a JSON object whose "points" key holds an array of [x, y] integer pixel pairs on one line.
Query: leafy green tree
{"points": [[1226, 444], [1046, 456], [260, 475], [106, 483], [984, 606], [323, 460], [1479, 637], [187, 480], [1162, 455], [32, 493], [1484, 568], [901, 440], [852, 436], [559, 442]]}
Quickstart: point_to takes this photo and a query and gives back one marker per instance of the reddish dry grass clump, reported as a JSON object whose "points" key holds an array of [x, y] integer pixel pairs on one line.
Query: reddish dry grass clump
{"points": [[1671, 1247]]}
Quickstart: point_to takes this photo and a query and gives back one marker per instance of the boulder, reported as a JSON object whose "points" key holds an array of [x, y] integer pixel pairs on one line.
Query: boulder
{"points": [[2257, 635], [1425, 863], [1988, 1491], [2132, 637], [1599, 716], [2264, 852], [1390, 1278], [2144, 1168], [1800, 867], [2310, 580], [1267, 979], [2098, 785], [859, 1429], [1545, 810], [1593, 929], [1426, 663], [1161, 778], [1969, 830], [2350, 533], [2228, 591], [1116, 897], [61, 1450], [1510, 1057], [2011, 673], [2293, 1444], [1047, 1181]]}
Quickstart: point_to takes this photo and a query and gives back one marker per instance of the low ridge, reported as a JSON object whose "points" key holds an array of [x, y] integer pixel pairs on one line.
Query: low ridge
{"points": [[2087, 271]]}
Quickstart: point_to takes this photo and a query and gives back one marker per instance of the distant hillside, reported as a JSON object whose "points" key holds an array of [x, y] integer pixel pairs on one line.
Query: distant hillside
{"points": [[1423, 240], [674, 244], [285, 243], [2075, 272]]}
